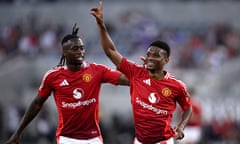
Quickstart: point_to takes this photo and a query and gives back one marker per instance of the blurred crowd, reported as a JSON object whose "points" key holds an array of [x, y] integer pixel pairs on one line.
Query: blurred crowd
{"points": [[195, 46], [36, 1]]}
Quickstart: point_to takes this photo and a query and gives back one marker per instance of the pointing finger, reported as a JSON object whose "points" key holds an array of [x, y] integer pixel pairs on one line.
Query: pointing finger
{"points": [[100, 6]]}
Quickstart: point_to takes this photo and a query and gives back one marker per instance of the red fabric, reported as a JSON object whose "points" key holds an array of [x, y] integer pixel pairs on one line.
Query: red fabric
{"points": [[77, 98], [153, 102]]}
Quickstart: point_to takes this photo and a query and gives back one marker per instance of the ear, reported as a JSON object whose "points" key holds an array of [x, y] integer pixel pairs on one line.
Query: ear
{"points": [[64, 54], [64, 51], [166, 60]]}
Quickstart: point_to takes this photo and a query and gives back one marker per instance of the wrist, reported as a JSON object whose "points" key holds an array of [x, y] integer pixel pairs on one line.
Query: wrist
{"points": [[100, 22], [181, 126]]}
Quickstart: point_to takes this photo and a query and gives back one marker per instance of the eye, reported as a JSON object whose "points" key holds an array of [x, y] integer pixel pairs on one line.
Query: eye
{"points": [[75, 48], [82, 48], [156, 55], [148, 54]]}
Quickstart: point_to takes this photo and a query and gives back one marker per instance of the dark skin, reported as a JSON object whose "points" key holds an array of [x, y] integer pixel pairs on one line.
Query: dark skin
{"points": [[74, 52], [155, 61]]}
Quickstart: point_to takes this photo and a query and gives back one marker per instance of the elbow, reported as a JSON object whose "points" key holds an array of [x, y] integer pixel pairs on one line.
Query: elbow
{"points": [[37, 106], [108, 54], [123, 80]]}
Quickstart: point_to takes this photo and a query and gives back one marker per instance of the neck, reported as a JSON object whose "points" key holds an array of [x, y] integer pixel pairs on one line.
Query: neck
{"points": [[156, 75], [74, 67]]}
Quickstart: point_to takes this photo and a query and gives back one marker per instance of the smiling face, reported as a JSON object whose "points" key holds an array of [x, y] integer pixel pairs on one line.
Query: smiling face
{"points": [[74, 51], [156, 59]]}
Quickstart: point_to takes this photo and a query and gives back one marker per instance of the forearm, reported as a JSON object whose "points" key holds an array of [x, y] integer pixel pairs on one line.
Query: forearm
{"points": [[108, 45], [123, 80], [186, 115], [106, 41], [29, 115]]}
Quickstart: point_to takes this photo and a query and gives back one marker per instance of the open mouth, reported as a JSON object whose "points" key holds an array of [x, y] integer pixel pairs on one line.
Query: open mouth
{"points": [[80, 58], [150, 63]]}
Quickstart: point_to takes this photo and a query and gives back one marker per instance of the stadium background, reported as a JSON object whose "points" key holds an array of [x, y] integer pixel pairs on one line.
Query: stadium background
{"points": [[205, 40]]}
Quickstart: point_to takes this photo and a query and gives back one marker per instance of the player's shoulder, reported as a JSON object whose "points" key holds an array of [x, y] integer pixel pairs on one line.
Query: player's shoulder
{"points": [[95, 64], [98, 66], [133, 63], [173, 79], [54, 70]]}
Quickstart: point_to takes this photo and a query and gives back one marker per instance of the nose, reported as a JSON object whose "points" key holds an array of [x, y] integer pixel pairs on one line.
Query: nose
{"points": [[80, 52]]}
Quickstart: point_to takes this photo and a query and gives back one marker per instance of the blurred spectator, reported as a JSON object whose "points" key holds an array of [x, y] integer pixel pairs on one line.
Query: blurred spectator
{"points": [[14, 114], [44, 128], [28, 45], [122, 128], [48, 41], [192, 49], [1, 120], [216, 57], [2, 52]]}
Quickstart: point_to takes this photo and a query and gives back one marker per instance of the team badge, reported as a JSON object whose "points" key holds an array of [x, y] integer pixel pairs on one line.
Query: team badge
{"points": [[87, 77], [166, 92]]}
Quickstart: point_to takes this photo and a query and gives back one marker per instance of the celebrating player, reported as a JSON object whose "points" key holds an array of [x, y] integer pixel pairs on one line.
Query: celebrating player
{"points": [[75, 84], [154, 91]]}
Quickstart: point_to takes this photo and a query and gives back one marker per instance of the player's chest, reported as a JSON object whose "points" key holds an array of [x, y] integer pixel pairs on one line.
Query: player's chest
{"points": [[153, 91], [75, 83]]}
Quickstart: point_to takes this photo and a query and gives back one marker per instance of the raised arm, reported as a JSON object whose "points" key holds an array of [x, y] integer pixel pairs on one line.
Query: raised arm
{"points": [[106, 41], [30, 114]]}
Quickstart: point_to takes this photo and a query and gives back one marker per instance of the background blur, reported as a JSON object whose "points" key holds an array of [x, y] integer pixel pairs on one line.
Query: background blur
{"points": [[204, 36]]}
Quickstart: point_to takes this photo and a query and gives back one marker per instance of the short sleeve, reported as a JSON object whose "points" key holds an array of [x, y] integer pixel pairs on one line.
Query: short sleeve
{"points": [[110, 75], [184, 97], [127, 67], [45, 90]]}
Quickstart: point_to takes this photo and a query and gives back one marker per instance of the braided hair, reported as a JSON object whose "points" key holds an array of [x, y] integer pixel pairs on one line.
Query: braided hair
{"points": [[66, 38]]}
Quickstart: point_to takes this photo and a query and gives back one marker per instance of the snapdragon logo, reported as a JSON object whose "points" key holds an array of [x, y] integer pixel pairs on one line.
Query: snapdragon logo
{"points": [[78, 93], [150, 107], [153, 98], [78, 103]]}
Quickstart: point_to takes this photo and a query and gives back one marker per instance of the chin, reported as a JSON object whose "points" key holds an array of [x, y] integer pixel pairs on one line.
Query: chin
{"points": [[78, 63]]}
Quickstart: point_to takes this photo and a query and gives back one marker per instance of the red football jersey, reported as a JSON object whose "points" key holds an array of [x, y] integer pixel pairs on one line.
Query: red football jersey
{"points": [[153, 102], [76, 96]]}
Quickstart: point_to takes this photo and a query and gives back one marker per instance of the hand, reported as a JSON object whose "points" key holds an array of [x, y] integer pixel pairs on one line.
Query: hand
{"points": [[179, 133], [98, 13], [143, 59], [13, 140]]}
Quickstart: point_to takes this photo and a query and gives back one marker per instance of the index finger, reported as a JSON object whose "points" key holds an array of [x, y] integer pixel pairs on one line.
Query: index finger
{"points": [[100, 6]]}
